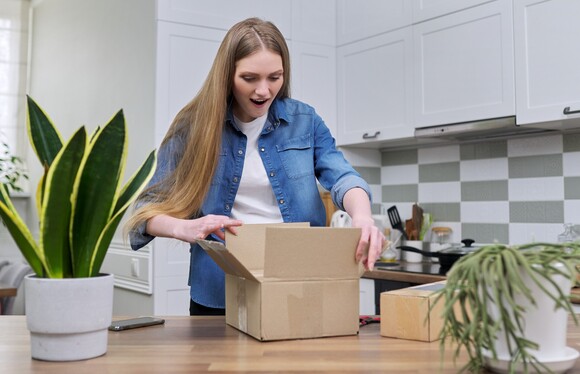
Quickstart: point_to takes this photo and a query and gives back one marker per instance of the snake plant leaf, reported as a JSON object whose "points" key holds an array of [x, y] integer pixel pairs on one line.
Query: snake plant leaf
{"points": [[20, 232], [44, 137], [55, 214], [129, 193], [96, 190]]}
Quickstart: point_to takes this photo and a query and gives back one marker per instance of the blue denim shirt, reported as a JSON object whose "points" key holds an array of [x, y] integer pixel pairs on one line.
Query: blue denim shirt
{"points": [[297, 149]]}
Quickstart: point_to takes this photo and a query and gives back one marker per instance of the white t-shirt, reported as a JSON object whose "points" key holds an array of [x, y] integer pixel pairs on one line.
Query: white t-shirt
{"points": [[255, 201]]}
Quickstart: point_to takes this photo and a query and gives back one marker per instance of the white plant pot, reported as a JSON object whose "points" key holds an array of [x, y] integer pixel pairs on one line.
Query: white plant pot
{"points": [[543, 324], [68, 318]]}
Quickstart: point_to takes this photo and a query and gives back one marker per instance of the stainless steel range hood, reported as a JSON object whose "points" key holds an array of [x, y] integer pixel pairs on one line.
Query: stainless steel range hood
{"points": [[486, 129]]}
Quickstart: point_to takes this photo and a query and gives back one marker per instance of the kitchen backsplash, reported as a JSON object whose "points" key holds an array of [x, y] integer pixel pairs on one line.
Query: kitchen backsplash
{"points": [[509, 191]]}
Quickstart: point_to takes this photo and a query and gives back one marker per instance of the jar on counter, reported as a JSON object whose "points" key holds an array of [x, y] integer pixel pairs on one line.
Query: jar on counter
{"points": [[440, 239]]}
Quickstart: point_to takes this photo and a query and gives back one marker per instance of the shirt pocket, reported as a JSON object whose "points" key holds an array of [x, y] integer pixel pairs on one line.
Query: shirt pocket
{"points": [[296, 156]]}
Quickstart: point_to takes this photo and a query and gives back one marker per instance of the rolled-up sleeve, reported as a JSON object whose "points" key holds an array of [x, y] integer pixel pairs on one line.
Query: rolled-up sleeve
{"points": [[168, 157]]}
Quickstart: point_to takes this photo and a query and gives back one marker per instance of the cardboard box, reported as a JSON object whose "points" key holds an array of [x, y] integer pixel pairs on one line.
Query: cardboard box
{"points": [[405, 313], [290, 281]]}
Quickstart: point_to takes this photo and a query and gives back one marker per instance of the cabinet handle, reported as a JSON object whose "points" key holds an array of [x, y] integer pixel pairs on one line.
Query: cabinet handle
{"points": [[567, 111], [367, 136]]}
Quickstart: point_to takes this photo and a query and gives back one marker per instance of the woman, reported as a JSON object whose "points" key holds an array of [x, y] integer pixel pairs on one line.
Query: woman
{"points": [[241, 152]]}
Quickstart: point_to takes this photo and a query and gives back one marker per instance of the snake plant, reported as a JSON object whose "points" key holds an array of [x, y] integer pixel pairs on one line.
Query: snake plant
{"points": [[80, 198], [491, 277]]}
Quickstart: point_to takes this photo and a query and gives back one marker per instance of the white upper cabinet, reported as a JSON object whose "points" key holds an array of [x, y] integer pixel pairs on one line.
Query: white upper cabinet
{"points": [[547, 58], [362, 19], [427, 9], [223, 14], [464, 66], [314, 21], [375, 88]]}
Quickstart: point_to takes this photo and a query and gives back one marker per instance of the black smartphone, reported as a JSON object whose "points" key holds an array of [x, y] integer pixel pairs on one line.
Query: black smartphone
{"points": [[133, 323]]}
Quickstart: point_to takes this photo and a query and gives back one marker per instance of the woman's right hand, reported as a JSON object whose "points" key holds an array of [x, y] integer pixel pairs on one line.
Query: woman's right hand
{"points": [[191, 230]]}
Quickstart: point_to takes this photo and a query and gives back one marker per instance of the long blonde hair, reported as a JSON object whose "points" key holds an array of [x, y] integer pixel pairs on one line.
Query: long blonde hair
{"points": [[201, 122]]}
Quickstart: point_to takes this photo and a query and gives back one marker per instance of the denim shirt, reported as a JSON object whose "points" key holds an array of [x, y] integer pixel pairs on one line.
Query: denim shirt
{"points": [[296, 148]]}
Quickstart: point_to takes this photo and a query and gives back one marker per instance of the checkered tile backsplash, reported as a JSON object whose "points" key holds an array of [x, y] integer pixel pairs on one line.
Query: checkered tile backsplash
{"points": [[510, 191]]}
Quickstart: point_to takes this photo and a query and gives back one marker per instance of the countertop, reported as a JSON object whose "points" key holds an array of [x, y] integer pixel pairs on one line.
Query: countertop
{"points": [[203, 344], [401, 271]]}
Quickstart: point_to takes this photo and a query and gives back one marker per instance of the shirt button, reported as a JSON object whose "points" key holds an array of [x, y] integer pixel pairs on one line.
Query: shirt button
{"points": [[262, 149], [236, 179], [240, 152], [272, 173], [227, 206], [281, 201]]}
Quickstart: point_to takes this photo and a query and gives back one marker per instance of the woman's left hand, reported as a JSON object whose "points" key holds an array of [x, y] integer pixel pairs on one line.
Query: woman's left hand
{"points": [[371, 243]]}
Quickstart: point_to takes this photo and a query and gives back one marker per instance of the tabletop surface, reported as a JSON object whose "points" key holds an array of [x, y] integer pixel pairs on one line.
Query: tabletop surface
{"points": [[7, 290], [204, 344]]}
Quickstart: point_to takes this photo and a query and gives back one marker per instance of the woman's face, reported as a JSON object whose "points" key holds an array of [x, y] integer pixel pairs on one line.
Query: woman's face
{"points": [[257, 80]]}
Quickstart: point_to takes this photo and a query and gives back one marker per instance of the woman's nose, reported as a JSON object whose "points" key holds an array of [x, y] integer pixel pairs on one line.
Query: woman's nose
{"points": [[262, 88]]}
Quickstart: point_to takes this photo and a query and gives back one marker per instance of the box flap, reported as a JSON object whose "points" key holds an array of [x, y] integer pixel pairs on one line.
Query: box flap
{"points": [[311, 253], [222, 256], [249, 245]]}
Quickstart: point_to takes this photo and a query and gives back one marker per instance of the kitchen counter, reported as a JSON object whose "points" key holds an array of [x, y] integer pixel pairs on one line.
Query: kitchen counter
{"points": [[416, 273], [203, 344]]}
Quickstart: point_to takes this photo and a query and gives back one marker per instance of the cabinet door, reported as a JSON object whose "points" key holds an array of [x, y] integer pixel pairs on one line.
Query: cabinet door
{"points": [[547, 59], [314, 21], [374, 86], [222, 14], [427, 9], [184, 57], [362, 19], [463, 66], [314, 79]]}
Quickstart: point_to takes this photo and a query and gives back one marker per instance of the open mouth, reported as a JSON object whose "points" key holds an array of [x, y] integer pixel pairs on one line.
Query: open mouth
{"points": [[258, 102]]}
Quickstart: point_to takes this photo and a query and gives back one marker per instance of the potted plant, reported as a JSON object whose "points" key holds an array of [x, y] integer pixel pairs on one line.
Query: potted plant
{"points": [[80, 201], [507, 307]]}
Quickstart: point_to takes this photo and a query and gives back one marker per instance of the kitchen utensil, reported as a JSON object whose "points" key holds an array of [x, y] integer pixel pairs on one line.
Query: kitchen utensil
{"points": [[448, 256], [395, 220], [417, 216]]}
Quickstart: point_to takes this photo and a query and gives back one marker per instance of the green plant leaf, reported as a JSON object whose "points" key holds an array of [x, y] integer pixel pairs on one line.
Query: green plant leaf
{"points": [[44, 137], [96, 190], [130, 192], [20, 233], [55, 214]]}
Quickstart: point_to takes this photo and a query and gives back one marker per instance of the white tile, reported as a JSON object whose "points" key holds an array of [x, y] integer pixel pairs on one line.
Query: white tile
{"points": [[12, 78], [485, 169], [522, 233], [541, 145], [441, 192], [536, 189], [14, 14], [571, 165], [438, 154], [399, 174], [362, 157], [485, 212], [572, 211]]}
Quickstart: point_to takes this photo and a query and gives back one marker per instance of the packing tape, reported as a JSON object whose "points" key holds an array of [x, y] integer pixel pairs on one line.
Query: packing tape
{"points": [[242, 307]]}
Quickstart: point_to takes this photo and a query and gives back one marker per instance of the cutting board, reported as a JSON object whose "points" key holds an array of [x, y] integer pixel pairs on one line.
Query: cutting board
{"points": [[575, 295]]}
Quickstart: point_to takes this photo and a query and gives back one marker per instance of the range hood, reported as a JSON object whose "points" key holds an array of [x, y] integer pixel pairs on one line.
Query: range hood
{"points": [[487, 129]]}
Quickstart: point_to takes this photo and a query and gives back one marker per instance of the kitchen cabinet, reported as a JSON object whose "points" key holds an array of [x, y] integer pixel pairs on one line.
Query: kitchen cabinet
{"points": [[547, 60], [375, 88], [358, 20], [427, 9], [464, 66]]}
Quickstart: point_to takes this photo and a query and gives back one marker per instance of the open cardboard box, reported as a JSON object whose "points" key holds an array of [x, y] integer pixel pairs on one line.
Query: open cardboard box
{"points": [[290, 281]]}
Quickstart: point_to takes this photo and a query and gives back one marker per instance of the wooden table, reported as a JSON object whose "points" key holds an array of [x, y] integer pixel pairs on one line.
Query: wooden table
{"points": [[6, 290], [203, 344]]}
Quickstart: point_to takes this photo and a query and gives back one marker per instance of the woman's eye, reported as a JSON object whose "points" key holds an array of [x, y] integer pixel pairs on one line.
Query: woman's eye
{"points": [[275, 77], [248, 79]]}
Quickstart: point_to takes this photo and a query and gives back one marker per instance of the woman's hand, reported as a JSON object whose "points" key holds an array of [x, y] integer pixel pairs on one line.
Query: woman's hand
{"points": [[191, 230], [371, 243]]}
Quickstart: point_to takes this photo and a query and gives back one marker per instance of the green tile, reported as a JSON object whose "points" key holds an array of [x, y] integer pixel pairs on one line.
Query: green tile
{"points": [[486, 232], [571, 188], [443, 212], [376, 208], [536, 212], [536, 166], [372, 175], [443, 172], [401, 157], [485, 150], [402, 193], [571, 142], [484, 191]]}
